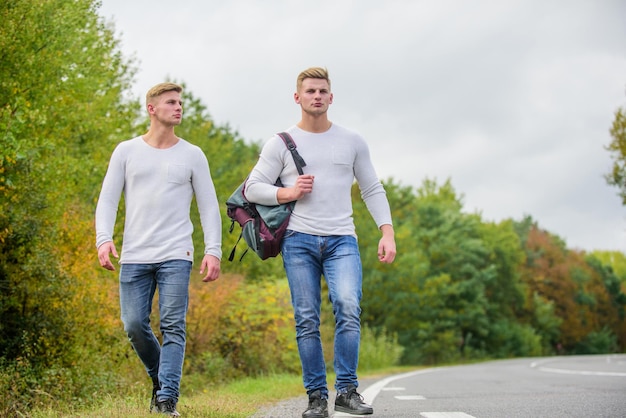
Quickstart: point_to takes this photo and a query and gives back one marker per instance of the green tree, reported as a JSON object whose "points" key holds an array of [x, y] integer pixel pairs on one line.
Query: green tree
{"points": [[613, 316], [454, 247], [615, 260], [62, 80], [617, 149], [507, 336], [435, 298]]}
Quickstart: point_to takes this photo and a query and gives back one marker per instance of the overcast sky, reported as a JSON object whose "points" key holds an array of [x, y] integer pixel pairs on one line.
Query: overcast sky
{"points": [[510, 100]]}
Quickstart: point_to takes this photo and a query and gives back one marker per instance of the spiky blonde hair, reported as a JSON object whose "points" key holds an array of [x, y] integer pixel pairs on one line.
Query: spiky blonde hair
{"points": [[161, 88], [313, 72]]}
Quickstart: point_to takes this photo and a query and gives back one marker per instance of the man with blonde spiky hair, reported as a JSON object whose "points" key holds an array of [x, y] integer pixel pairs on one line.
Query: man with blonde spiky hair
{"points": [[159, 174], [321, 238]]}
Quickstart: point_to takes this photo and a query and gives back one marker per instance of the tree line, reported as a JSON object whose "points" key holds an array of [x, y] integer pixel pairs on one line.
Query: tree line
{"points": [[462, 287]]}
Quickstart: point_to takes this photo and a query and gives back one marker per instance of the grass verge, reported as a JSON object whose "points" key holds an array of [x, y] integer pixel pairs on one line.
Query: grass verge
{"points": [[238, 399]]}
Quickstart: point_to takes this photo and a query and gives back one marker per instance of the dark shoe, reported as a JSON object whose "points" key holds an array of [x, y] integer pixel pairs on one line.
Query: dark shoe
{"points": [[167, 407], [318, 407], [155, 387], [351, 402]]}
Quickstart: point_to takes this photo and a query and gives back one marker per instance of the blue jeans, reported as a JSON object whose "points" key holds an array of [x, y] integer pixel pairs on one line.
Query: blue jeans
{"points": [[306, 258], [138, 283]]}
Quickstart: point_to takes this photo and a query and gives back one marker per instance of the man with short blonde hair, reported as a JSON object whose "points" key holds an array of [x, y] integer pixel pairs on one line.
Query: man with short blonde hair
{"points": [[321, 237], [159, 174]]}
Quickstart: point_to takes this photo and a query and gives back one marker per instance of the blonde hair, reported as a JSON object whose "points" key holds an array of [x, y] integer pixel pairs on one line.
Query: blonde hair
{"points": [[161, 88], [313, 72]]}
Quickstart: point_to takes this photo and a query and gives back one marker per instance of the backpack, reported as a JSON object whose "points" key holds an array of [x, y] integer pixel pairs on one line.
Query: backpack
{"points": [[262, 227]]}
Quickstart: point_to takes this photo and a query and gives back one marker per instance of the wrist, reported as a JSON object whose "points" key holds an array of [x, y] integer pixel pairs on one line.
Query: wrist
{"points": [[387, 230]]}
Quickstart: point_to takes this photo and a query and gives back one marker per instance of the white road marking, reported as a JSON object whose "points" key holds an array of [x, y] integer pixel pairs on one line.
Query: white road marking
{"points": [[371, 392], [537, 365], [445, 415], [393, 388], [410, 398], [580, 372]]}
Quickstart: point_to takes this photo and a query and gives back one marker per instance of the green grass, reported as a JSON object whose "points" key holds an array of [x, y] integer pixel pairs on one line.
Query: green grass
{"points": [[238, 399]]}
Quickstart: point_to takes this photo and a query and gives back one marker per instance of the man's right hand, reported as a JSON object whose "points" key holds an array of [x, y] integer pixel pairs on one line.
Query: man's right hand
{"points": [[304, 185], [103, 255]]}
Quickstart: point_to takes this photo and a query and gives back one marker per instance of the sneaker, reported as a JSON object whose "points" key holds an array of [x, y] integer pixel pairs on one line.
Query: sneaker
{"points": [[351, 402], [167, 407], [318, 407], [155, 387]]}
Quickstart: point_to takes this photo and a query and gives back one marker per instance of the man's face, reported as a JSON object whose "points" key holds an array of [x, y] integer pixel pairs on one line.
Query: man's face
{"points": [[314, 96], [167, 108]]}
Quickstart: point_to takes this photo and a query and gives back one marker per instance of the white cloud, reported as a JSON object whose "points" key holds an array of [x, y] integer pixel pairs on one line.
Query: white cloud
{"points": [[510, 100]]}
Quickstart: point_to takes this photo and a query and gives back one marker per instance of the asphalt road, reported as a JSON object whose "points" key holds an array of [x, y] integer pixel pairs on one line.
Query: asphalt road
{"points": [[554, 387]]}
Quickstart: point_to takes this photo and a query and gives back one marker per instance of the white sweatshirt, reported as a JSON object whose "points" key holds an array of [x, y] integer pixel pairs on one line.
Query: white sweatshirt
{"points": [[336, 158], [158, 186]]}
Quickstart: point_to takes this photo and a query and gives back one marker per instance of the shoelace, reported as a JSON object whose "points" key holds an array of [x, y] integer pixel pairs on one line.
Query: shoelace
{"points": [[316, 403], [353, 394]]}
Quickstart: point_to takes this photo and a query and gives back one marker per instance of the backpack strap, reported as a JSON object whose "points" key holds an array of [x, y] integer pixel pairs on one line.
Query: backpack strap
{"points": [[291, 146], [232, 253]]}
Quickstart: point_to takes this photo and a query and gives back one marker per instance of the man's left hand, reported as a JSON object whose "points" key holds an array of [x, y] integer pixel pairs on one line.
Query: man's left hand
{"points": [[211, 265], [387, 245]]}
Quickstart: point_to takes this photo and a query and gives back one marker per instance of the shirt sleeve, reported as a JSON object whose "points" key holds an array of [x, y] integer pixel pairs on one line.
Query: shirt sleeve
{"points": [[208, 206], [110, 194], [260, 186], [372, 191]]}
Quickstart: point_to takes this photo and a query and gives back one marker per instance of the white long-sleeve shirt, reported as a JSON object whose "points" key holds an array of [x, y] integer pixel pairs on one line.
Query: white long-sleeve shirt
{"points": [[158, 187], [336, 158]]}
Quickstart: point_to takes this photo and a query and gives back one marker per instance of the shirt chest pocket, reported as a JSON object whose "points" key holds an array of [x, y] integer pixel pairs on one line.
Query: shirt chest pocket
{"points": [[342, 156], [178, 174]]}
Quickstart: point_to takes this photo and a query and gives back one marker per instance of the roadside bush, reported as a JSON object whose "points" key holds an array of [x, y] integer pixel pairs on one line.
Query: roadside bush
{"points": [[598, 342], [434, 347], [511, 339], [378, 350], [249, 327]]}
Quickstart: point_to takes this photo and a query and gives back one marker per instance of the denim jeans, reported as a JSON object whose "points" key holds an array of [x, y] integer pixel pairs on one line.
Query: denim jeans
{"points": [[138, 283], [306, 258]]}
